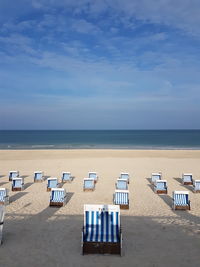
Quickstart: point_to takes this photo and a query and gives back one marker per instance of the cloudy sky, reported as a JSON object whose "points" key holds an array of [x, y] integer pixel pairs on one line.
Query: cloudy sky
{"points": [[99, 64]]}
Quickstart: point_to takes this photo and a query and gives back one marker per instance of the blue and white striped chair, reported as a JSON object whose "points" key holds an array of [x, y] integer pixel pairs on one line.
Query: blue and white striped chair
{"points": [[155, 176], [2, 213], [66, 177], [52, 183], [181, 200], [4, 198], [17, 184], [121, 198], [88, 184], [58, 197], [187, 179], [13, 174], [101, 231], [93, 175], [124, 176], [38, 176], [122, 184], [196, 186], [160, 187]]}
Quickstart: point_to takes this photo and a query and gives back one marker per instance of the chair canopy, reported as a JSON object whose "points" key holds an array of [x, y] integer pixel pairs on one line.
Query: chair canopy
{"points": [[124, 175], [52, 182], [88, 183], [187, 177], [122, 184], [66, 176], [13, 174], [17, 182], [92, 175], [101, 223], [155, 176], [38, 175], [196, 184], [121, 197], [58, 194], [161, 184]]}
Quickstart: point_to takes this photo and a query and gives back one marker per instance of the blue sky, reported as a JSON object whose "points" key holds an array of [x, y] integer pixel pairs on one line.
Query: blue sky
{"points": [[104, 64]]}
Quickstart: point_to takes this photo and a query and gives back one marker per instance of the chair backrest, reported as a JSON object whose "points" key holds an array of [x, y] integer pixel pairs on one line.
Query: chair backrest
{"points": [[92, 175], [181, 198], [66, 176], [161, 184], [58, 194], [13, 174], [155, 176], [17, 182], [101, 223], [88, 183], [121, 197], [38, 175], [52, 182], [187, 177], [122, 184], [3, 193], [196, 184], [124, 175]]}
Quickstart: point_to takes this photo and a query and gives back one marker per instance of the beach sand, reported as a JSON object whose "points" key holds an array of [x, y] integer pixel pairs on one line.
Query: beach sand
{"points": [[153, 234]]}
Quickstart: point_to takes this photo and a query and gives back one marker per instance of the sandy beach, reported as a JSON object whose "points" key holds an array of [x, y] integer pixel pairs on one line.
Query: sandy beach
{"points": [[153, 234]]}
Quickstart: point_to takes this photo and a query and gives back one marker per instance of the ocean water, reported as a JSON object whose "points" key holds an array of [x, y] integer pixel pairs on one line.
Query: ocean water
{"points": [[115, 139]]}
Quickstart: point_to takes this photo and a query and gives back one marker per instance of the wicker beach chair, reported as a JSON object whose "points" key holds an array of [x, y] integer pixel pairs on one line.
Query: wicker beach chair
{"points": [[124, 176], [181, 200], [88, 184], [101, 232], [58, 197], [160, 187], [17, 184], [196, 186], [4, 197], [187, 179], [121, 198], [66, 177], [52, 183], [155, 176], [38, 176], [93, 175], [2, 214], [13, 174], [121, 184]]}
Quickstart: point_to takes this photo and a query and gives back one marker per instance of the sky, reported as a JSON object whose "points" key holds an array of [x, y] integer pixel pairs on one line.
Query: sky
{"points": [[100, 64]]}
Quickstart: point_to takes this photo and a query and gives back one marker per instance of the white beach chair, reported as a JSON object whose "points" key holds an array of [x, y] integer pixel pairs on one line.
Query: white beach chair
{"points": [[160, 187], [13, 174], [101, 231], [52, 183], [187, 179], [66, 177], [58, 197], [88, 184], [17, 184], [124, 176], [2, 214], [155, 176], [93, 175], [181, 200], [4, 198], [38, 176], [122, 184], [196, 186], [121, 198]]}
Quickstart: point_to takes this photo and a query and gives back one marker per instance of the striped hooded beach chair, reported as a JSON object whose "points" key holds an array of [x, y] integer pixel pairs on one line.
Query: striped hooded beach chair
{"points": [[124, 176], [181, 200], [4, 198], [52, 183], [13, 174], [17, 184], [196, 186], [122, 184], [93, 175], [155, 176], [121, 198], [187, 179], [38, 176], [101, 231], [88, 184], [66, 177], [2, 214], [58, 197], [160, 187]]}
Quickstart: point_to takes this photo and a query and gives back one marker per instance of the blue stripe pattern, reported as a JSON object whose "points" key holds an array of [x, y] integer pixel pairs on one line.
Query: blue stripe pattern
{"points": [[181, 199], [101, 226], [2, 195], [121, 198], [52, 183], [57, 196]]}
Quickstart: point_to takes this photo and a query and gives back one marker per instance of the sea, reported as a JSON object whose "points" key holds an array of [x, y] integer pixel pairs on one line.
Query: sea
{"points": [[100, 139]]}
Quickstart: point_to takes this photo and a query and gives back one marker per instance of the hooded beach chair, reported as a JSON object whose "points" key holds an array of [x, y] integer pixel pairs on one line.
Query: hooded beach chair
{"points": [[93, 175], [2, 213], [196, 186], [38, 176], [13, 174], [155, 176], [88, 184], [17, 184], [121, 198], [52, 183], [58, 197], [187, 179], [4, 198], [160, 187], [181, 200], [101, 232], [66, 177], [124, 176], [122, 184]]}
